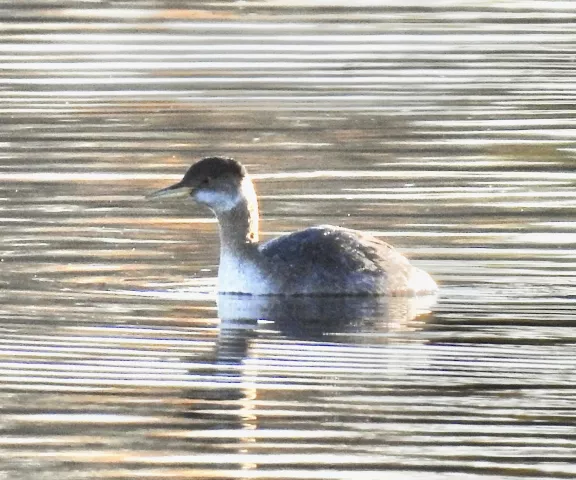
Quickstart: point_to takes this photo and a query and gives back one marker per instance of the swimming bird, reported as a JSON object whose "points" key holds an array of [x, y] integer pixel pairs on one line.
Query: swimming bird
{"points": [[320, 260]]}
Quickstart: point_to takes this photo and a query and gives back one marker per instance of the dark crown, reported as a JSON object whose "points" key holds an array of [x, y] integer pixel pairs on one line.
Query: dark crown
{"points": [[214, 167]]}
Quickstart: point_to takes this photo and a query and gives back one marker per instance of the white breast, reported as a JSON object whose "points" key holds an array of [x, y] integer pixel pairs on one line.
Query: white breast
{"points": [[235, 276]]}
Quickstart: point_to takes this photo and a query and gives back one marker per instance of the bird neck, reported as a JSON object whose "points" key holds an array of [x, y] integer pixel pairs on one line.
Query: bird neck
{"points": [[239, 225]]}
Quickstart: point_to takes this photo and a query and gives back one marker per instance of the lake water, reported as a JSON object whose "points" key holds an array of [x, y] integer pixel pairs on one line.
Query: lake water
{"points": [[449, 130]]}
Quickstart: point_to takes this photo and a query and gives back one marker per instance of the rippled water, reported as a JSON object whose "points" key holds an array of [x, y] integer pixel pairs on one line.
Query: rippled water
{"points": [[448, 130]]}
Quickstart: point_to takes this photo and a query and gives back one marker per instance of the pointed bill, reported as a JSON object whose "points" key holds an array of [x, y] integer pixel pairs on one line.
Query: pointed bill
{"points": [[173, 191]]}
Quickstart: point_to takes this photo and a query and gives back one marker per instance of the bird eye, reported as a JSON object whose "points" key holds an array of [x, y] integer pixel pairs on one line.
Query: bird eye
{"points": [[206, 181]]}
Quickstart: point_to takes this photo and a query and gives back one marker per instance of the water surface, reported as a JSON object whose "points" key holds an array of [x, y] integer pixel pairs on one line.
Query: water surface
{"points": [[447, 130]]}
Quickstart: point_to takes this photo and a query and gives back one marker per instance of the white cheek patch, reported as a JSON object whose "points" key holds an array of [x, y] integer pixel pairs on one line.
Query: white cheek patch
{"points": [[216, 200]]}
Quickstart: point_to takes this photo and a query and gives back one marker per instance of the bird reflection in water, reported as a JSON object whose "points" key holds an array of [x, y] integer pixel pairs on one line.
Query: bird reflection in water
{"points": [[335, 319], [273, 349]]}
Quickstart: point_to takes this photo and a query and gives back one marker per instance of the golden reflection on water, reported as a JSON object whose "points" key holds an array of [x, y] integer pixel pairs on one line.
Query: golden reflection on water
{"points": [[448, 131]]}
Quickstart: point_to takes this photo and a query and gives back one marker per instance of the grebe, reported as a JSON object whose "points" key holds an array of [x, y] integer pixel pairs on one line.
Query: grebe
{"points": [[320, 260]]}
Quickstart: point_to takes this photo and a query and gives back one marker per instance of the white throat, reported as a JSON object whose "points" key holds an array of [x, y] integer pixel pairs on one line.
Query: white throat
{"points": [[237, 213], [218, 201]]}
